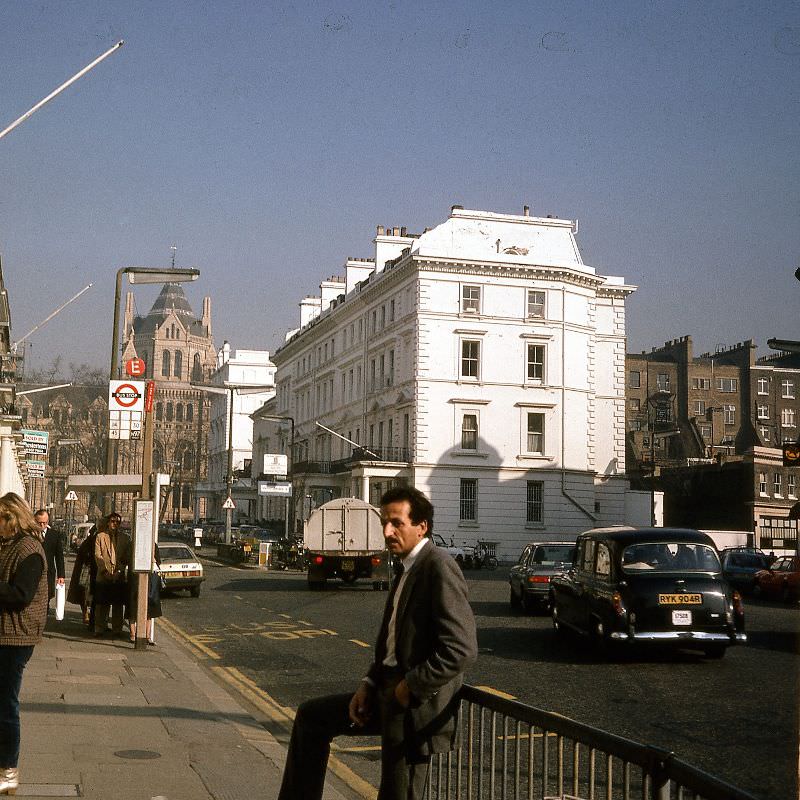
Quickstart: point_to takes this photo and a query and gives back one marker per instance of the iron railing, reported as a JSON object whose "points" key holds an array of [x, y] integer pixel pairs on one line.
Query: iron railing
{"points": [[512, 751]]}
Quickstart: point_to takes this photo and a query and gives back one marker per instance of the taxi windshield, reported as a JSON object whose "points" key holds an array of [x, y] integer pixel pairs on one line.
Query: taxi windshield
{"points": [[669, 557]]}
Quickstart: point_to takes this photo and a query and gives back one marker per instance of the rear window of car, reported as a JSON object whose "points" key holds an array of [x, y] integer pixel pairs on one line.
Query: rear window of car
{"points": [[549, 555], [669, 557], [175, 554], [748, 560]]}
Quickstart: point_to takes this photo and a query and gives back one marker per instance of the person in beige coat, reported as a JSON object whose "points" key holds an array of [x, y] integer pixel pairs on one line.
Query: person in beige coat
{"points": [[112, 550]]}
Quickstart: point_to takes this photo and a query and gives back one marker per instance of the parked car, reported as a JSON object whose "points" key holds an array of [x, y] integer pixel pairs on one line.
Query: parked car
{"points": [[651, 586], [455, 551], [781, 580], [529, 578], [180, 568], [740, 565]]}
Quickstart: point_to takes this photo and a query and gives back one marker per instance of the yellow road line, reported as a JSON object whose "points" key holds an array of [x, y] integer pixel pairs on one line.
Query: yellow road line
{"points": [[365, 749], [496, 692], [359, 642], [278, 713], [192, 641]]}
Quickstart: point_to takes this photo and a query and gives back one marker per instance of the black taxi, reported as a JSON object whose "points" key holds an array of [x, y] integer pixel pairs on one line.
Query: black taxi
{"points": [[648, 585]]}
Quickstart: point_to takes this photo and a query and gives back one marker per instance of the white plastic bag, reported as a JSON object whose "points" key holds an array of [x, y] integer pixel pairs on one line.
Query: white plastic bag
{"points": [[61, 596]]}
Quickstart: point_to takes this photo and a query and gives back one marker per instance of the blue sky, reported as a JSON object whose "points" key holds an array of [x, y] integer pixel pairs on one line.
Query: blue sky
{"points": [[268, 139]]}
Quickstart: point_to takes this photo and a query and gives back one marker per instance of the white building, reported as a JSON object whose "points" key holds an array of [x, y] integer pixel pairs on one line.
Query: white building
{"points": [[481, 361], [254, 374]]}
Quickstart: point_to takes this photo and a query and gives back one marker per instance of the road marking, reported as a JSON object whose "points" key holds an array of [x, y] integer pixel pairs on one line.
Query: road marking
{"points": [[238, 598], [285, 616], [496, 692], [278, 713], [358, 642], [197, 642], [365, 749], [303, 622]]}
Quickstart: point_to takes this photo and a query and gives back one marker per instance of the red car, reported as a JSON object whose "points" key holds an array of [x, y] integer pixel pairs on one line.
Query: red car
{"points": [[781, 580]]}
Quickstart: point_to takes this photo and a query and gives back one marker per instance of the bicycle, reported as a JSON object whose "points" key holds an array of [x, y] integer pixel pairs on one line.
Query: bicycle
{"points": [[483, 556]]}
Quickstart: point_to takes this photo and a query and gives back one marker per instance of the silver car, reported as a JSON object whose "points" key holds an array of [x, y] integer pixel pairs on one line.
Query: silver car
{"points": [[530, 576]]}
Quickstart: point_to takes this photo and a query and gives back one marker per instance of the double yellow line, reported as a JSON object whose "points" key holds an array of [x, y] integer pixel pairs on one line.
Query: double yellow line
{"points": [[266, 704]]}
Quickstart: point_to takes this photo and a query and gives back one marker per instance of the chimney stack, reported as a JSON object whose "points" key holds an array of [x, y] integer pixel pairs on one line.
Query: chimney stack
{"points": [[380, 230], [526, 211]]}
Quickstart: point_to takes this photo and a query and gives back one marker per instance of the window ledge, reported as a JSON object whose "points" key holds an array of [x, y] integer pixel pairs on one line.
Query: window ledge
{"points": [[535, 457], [469, 453], [466, 523], [536, 526]]}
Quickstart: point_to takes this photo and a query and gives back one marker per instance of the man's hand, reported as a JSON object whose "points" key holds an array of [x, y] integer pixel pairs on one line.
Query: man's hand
{"points": [[402, 693], [361, 705]]}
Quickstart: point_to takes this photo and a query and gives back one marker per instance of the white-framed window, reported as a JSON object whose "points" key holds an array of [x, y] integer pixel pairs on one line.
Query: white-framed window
{"points": [[535, 305], [699, 407], [634, 379], [534, 502], [701, 383], [469, 431], [705, 432], [535, 432], [729, 412], [787, 418], [762, 484], [787, 389], [727, 384], [777, 484], [791, 485], [468, 500], [762, 411], [470, 299], [763, 433], [535, 363], [662, 382], [470, 358], [636, 425], [763, 386]]}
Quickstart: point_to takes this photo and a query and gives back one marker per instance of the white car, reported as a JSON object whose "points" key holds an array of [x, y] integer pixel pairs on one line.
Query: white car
{"points": [[180, 568], [456, 552]]}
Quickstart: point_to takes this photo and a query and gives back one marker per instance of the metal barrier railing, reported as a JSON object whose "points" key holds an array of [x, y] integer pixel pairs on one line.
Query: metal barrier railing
{"points": [[512, 751]]}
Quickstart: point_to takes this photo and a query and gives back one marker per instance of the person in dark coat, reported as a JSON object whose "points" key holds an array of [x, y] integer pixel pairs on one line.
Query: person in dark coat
{"points": [[82, 582], [53, 544], [409, 695]]}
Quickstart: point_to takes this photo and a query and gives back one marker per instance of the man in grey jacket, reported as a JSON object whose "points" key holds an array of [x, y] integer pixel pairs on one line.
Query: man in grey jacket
{"points": [[409, 695]]}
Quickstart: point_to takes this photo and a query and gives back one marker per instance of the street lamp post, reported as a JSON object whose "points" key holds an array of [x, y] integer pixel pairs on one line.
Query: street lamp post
{"points": [[228, 388], [136, 275], [290, 465]]}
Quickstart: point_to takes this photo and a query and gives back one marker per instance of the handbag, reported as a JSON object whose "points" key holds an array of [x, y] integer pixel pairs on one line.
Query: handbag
{"points": [[61, 598]]}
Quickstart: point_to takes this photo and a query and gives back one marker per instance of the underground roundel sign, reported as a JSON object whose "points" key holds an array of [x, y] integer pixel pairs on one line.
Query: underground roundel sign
{"points": [[126, 396]]}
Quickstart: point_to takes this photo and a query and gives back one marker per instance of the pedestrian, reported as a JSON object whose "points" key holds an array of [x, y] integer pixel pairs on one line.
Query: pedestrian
{"points": [[82, 581], [111, 553], [53, 544], [23, 612], [409, 695], [153, 601]]}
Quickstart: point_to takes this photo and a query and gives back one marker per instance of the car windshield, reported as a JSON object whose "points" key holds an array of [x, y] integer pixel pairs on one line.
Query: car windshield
{"points": [[669, 557], [550, 554], [176, 554]]}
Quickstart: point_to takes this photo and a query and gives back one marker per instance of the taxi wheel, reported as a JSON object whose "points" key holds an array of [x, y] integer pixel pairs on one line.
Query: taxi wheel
{"points": [[559, 629], [715, 651], [195, 591]]}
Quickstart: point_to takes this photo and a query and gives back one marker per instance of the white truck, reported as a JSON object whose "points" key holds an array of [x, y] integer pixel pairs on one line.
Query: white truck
{"points": [[343, 538]]}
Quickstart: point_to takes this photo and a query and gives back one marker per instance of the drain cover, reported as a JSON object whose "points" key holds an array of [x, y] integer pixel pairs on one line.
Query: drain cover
{"points": [[141, 755]]}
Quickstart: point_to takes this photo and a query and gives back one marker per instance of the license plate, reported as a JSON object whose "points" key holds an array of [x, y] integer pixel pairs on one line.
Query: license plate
{"points": [[348, 565], [681, 617], [680, 599]]}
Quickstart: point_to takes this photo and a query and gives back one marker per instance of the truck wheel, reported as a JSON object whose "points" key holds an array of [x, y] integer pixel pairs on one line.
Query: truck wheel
{"points": [[349, 577], [316, 585]]}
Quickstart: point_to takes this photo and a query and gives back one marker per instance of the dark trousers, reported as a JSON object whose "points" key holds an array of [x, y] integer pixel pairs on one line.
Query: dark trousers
{"points": [[12, 664], [319, 721]]}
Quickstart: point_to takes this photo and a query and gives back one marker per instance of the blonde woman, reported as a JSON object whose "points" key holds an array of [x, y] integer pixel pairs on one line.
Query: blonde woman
{"points": [[23, 611]]}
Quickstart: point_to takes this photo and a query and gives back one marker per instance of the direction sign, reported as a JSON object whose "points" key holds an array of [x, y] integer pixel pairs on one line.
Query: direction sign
{"points": [[279, 488], [229, 504], [126, 396], [134, 367], [36, 468], [35, 442]]}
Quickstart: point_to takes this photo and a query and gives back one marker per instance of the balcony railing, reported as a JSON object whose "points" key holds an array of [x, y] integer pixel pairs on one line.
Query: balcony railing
{"points": [[394, 455]]}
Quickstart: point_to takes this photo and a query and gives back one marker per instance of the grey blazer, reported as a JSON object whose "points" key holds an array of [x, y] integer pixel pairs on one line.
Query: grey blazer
{"points": [[435, 642]]}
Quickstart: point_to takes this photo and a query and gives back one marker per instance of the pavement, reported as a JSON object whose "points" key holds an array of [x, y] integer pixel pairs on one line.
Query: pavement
{"points": [[101, 719]]}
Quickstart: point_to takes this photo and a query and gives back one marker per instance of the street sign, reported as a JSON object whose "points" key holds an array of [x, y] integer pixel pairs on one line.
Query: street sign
{"points": [[135, 367], [70, 497], [124, 424], [275, 464], [126, 396], [275, 488], [229, 504], [35, 442], [149, 396], [791, 455]]}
